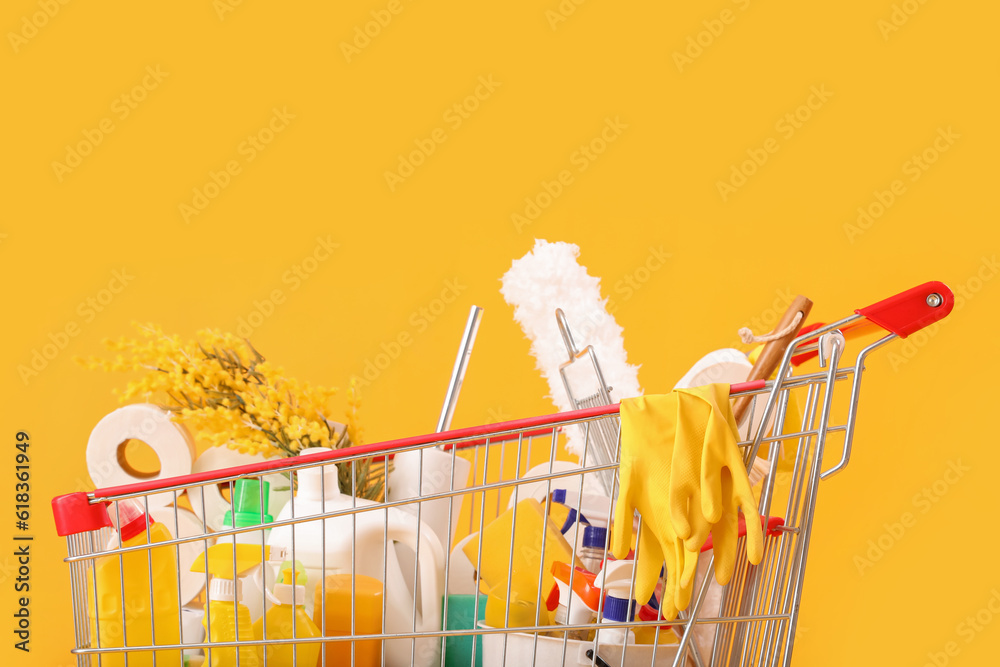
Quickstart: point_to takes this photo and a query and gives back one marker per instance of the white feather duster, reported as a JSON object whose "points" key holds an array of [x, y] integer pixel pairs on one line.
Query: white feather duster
{"points": [[550, 277]]}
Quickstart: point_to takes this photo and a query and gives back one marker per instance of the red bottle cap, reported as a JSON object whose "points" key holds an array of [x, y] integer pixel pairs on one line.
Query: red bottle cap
{"points": [[130, 518]]}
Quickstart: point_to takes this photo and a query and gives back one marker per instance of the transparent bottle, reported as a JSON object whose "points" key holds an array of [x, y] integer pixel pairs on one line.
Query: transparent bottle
{"points": [[592, 553]]}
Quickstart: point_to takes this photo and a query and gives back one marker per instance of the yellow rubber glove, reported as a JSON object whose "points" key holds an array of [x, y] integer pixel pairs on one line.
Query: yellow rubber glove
{"points": [[647, 431], [696, 425], [679, 563], [710, 483], [682, 469]]}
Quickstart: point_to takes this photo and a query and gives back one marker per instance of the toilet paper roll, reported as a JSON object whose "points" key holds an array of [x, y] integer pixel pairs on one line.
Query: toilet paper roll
{"points": [[152, 425], [215, 505], [189, 525]]}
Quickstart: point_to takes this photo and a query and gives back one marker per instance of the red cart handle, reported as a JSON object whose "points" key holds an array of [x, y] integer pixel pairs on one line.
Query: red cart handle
{"points": [[912, 310], [902, 314]]}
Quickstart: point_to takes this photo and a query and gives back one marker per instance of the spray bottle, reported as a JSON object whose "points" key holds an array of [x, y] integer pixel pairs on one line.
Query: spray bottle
{"points": [[615, 579], [226, 618], [576, 607], [250, 508], [288, 619]]}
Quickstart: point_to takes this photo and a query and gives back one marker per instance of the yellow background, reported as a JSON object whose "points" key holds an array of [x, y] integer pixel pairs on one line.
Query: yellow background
{"points": [[654, 186]]}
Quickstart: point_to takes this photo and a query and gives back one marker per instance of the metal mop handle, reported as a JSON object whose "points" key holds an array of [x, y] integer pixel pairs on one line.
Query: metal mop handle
{"points": [[458, 372], [567, 336]]}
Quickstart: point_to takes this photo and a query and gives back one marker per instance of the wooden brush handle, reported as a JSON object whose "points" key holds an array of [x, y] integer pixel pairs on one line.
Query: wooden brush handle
{"points": [[771, 355]]}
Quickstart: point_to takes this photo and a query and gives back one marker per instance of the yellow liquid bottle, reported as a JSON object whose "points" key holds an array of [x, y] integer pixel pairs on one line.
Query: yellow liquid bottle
{"points": [[226, 618], [367, 605], [531, 531], [223, 628], [646, 634], [121, 586], [288, 620]]}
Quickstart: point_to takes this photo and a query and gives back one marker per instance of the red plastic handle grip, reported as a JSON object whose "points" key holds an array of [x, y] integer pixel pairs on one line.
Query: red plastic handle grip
{"points": [[771, 525], [912, 310], [73, 514], [902, 314]]}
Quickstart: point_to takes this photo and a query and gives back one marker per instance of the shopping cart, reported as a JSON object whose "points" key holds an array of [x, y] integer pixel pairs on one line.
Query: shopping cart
{"points": [[751, 621]]}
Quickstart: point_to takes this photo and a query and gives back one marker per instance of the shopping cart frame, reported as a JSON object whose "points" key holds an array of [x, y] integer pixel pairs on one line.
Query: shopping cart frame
{"points": [[756, 628]]}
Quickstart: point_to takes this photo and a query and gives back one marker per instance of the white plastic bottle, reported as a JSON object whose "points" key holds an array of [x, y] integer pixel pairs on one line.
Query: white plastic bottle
{"points": [[330, 541], [616, 582]]}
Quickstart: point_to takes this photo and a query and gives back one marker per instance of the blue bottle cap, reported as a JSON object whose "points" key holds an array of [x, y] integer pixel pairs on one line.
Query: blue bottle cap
{"points": [[618, 610], [595, 536]]}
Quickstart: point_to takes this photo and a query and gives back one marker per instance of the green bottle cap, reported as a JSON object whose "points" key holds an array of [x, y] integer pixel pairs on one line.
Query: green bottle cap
{"points": [[247, 503]]}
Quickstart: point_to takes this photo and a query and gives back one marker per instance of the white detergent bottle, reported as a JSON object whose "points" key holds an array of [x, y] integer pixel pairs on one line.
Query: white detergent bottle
{"points": [[615, 580], [330, 541]]}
